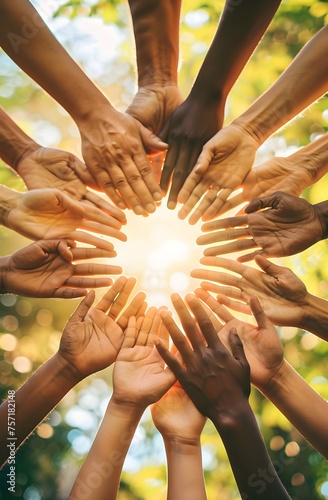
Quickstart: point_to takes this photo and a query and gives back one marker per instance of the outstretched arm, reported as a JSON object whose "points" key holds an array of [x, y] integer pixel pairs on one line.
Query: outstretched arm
{"points": [[227, 158], [273, 376], [218, 384], [288, 226], [156, 31], [112, 142], [241, 27], [139, 379], [90, 342]]}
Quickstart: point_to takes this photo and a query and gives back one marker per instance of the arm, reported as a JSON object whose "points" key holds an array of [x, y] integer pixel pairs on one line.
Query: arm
{"points": [[291, 175], [240, 29], [227, 158], [274, 377], [284, 298], [112, 142], [45, 269], [180, 425], [51, 214], [218, 384], [90, 342], [156, 31], [289, 226], [139, 379]]}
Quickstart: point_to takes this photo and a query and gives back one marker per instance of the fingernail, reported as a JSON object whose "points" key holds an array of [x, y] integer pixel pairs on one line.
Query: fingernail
{"points": [[158, 196], [138, 210], [171, 205], [150, 208]]}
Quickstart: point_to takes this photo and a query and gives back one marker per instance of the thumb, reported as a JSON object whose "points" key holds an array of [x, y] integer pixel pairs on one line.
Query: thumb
{"points": [[73, 206], [268, 267], [261, 319], [83, 308], [204, 159], [237, 347], [150, 141], [256, 204]]}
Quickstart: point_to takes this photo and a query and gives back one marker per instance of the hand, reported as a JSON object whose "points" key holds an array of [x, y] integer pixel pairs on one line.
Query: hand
{"points": [[139, 376], [289, 175], [92, 337], [49, 214], [262, 346], [288, 227], [283, 296], [175, 416], [221, 167], [215, 380], [113, 148], [53, 168], [45, 269], [186, 132], [153, 105]]}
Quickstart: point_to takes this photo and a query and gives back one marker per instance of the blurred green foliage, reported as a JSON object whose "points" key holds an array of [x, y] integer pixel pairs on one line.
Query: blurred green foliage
{"points": [[48, 462]]}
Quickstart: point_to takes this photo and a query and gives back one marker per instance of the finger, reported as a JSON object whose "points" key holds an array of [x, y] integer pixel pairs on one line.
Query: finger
{"points": [[214, 319], [106, 207], [218, 277], [235, 305], [89, 239], [164, 335], [204, 322], [96, 215], [96, 227], [169, 359], [226, 235], [137, 308], [210, 196], [154, 330], [92, 269], [176, 335], [130, 334], [227, 223], [64, 250], [186, 160], [192, 191], [261, 319], [107, 300], [235, 246], [214, 210], [69, 293], [237, 347], [228, 264], [82, 309], [138, 178], [232, 203], [262, 202], [268, 267], [168, 167], [188, 322], [104, 179], [229, 291], [80, 282], [146, 326], [213, 304], [90, 253], [250, 256], [148, 178], [120, 300]]}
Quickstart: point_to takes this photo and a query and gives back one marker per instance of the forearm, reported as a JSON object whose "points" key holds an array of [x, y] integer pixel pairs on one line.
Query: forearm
{"points": [[14, 143], [304, 81], [184, 470], [313, 158], [9, 199], [107, 454], [240, 29], [28, 406], [315, 319], [42, 57], [156, 31], [303, 406], [252, 467]]}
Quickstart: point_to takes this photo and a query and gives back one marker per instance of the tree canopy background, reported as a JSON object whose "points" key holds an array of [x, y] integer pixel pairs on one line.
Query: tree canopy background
{"points": [[99, 37]]}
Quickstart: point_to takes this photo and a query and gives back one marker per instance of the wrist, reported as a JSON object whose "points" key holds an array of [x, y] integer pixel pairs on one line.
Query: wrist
{"points": [[4, 270], [230, 421], [92, 116], [67, 370], [271, 388], [124, 410], [321, 210], [9, 199], [181, 444], [316, 317]]}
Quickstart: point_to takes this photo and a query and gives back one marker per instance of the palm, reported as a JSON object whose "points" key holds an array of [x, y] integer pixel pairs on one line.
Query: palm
{"points": [[91, 345], [175, 414], [139, 375]]}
